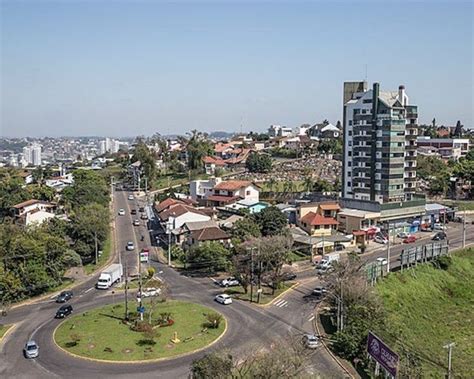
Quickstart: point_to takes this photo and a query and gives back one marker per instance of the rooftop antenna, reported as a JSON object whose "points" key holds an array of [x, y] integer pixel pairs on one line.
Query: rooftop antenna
{"points": [[241, 125], [366, 72]]}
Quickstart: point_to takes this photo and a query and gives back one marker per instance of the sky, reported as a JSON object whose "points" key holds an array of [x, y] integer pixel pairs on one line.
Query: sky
{"points": [[125, 68]]}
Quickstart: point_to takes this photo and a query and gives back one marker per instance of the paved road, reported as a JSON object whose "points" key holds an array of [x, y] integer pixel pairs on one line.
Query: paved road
{"points": [[250, 327]]}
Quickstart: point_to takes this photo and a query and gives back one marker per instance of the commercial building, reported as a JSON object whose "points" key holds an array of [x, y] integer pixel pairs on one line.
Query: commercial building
{"points": [[380, 131], [32, 154]]}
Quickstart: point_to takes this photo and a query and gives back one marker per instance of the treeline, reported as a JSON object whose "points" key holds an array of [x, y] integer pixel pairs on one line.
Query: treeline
{"points": [[34, 259]]}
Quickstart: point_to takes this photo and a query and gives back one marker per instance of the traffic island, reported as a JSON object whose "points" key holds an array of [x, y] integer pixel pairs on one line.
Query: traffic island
{"points": [[169, 329], [4, 330]]}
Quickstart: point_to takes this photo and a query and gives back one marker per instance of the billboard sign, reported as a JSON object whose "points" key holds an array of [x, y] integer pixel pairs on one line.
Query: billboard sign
{"points": [[144, 257], [382, 354]]}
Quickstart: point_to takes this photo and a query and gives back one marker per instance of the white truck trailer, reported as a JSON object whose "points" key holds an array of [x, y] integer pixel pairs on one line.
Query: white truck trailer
{"points": [[109, 276]]}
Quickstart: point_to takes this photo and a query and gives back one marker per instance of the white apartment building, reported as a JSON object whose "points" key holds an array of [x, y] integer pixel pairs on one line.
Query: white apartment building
{"points": [[32, 154]]}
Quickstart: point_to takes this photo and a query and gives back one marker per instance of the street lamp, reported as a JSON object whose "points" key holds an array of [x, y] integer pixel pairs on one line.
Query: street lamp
{"points": [[449, 346], [169, 227]]}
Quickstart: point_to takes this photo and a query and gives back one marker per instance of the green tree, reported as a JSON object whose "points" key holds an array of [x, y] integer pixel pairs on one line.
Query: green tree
{"points": [[245, 228], [197, 148], [271, 221], [322, 185], [213, 365], [89, 187], [258, 162], [142, 153], [211, 255]]}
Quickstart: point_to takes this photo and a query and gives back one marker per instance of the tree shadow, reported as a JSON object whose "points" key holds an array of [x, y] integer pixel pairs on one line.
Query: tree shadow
{"points": [[146, 342], [111, 316]]}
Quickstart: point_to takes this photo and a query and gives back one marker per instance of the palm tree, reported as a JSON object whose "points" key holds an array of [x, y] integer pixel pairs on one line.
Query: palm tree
{"points": [[308, 183]]}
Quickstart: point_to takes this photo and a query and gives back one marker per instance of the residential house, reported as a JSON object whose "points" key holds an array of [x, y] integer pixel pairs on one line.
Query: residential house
{"points": [[447, 148], [232, 191], [199, 232], [318, 219], [32, 212], [173, 216]]}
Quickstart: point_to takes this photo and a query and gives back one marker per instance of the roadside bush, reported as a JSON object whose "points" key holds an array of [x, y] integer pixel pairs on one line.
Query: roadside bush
{"points": [[444, 262], [213, 320], [141, 326], [150, 272]]}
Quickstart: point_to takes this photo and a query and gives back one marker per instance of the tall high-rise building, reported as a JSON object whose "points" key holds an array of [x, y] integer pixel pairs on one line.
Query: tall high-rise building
{"points": [[380, 131], [32, 154]]}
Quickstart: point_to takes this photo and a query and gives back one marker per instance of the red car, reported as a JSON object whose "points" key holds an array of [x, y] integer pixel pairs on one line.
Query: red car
{"points": [[409, 239]]}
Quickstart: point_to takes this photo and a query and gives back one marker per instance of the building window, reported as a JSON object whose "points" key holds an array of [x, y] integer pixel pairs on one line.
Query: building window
{"points": [[349, 184], [349, 153], [367, 101], [350, 122], [350, 132], [247, 193]]}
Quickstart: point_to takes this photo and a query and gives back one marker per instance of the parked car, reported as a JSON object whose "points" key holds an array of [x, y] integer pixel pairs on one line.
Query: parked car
{"points": [[229, 282], [324, 270], [409, 239], [149, 292], [311, 341], [142, 209], [286, 276], [426, 228], [144, 216], [339, 247], [136, 222], [64, 311], [130, 197], [380, 239], [403, 235], [440, 236], [31, 350], [381, 261], [319, 291], [133, 212], [439, 226], [223, 299], [64, 296], [121, 212], [130, 246]]}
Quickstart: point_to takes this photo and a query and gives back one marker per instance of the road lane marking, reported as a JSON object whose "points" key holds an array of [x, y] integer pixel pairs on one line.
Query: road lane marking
{"points": [[90, 289], [281, 303], [311, 318]]}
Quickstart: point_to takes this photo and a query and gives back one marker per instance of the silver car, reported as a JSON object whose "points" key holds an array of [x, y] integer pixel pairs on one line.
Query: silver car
{"points": [[31, 350], [311, 341]]}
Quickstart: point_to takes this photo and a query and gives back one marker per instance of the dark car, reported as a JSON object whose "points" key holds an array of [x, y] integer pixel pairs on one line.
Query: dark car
{"points": [[142, 209], [64, 296], [64, 311], [440, 236], [288, 276], [133, 211]]}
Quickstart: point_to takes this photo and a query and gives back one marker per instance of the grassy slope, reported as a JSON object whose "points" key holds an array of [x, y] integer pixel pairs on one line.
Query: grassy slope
{"points": [[3, 330], [430, 307], [102, 328]]}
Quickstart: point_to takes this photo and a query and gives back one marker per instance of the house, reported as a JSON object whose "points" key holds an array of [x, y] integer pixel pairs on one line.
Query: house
{"points": [[176, 215], [27, 177], [279, 131], [231, 191], [198, 232], [318, 219], [32, 212], [60, 182], [215, 192], [180, 234], [447, 147], [211, 163]]}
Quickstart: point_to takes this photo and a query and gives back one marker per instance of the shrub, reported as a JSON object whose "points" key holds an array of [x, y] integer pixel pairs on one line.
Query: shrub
{"points": [[141, 326], [444, 262], [150, 272], [213, 320]]}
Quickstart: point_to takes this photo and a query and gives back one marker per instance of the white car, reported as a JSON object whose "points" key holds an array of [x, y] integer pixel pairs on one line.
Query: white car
{"points": [[130, 246], [381, 261], [229, 282], [403, 235], [381, 240], [130, 197], [439, 226], [223, 299], [149, 292], [121, 212], [136, 222]]}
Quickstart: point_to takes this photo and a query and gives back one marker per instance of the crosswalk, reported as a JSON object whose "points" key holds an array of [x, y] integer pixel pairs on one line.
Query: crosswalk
{"points": [[281, 303]]}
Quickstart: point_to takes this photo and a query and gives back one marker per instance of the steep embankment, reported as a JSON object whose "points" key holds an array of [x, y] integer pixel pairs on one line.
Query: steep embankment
{"points": [[429, 307]]}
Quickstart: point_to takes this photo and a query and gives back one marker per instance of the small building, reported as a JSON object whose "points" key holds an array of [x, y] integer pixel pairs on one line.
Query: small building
{"points": [[32, 212], [214, 234], [251, 205], [317, 225], [447, 147]]}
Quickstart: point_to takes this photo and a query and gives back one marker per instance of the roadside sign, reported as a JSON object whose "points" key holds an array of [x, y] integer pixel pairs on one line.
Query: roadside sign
{"points": [[387, 358], [141, 309]]}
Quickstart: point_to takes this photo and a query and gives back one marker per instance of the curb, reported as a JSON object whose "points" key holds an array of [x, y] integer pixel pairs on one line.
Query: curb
{"points": [[331, 354], [277, 297], [10, 330], [142, 361]]}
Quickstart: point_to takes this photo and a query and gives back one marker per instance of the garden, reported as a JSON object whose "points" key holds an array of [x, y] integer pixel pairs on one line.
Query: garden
{"points": [[169, 328]]}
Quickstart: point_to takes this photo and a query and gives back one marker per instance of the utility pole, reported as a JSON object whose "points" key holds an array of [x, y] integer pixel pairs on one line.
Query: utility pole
{"points": [[449, 346], [388, 250], [464, 229], [251, 274], [96, 247], [126, 291], [140, 286]]}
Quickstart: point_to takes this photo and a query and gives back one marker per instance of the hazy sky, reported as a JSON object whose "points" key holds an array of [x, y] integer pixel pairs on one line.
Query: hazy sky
{"points": [[126, 68]]}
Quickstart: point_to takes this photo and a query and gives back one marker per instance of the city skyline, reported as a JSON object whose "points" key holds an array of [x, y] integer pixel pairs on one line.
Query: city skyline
{"points": [[122, 69]]}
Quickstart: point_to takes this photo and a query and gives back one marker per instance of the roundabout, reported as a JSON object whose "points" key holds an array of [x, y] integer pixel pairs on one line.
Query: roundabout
{"points": [[169, 329]]}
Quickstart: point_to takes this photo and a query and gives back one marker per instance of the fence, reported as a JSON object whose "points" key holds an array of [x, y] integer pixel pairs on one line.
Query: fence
{"points": [[408, 258]]}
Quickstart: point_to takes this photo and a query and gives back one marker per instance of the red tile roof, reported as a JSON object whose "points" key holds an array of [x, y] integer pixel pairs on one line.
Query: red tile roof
{"points": [[177, 210], [165, 204], [220, 147], [223, 199], [212, 160], [312, 218], [232, 185], [209, 234], [32, 202]]}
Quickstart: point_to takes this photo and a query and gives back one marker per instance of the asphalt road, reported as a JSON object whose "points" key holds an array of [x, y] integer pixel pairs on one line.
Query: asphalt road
{"points": [[249, 327]]}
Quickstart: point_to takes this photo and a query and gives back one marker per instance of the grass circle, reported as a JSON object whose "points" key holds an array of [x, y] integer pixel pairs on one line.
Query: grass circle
{"points": [[101, 334]]}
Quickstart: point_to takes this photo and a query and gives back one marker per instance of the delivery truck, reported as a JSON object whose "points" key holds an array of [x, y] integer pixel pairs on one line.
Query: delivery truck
{"points": [[109, 276]]}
